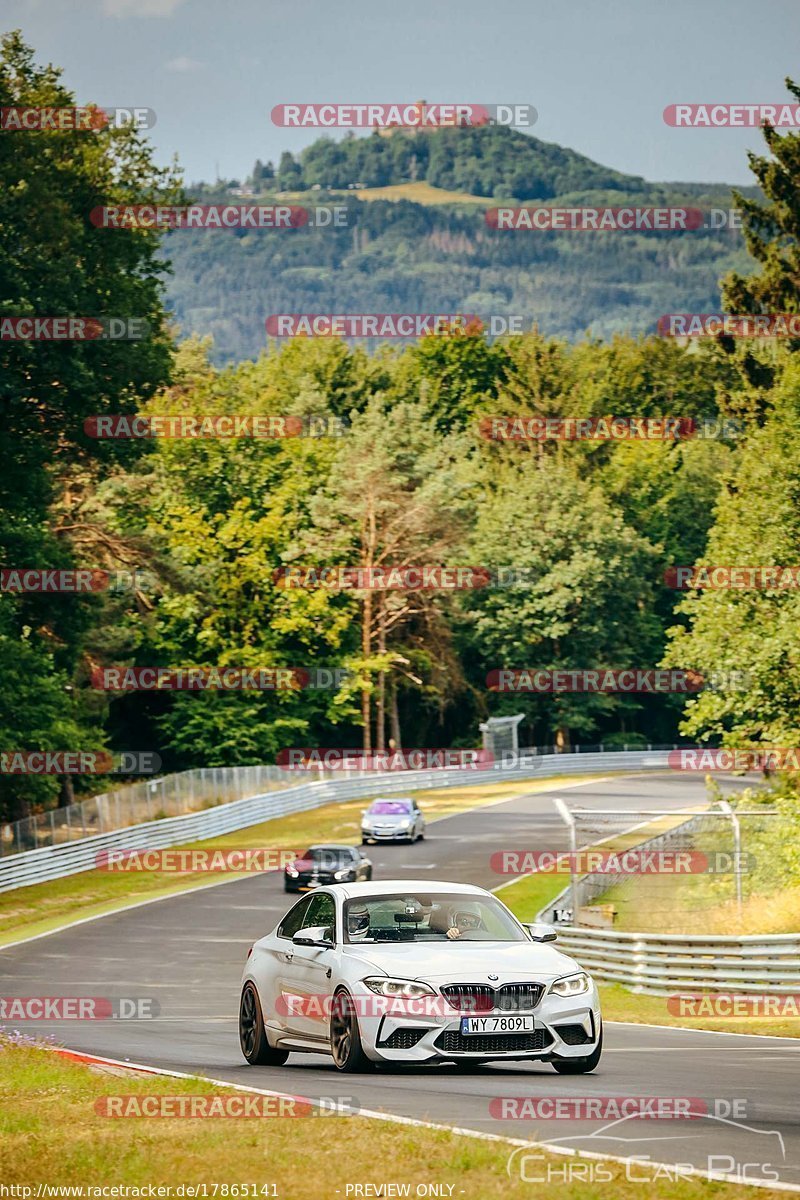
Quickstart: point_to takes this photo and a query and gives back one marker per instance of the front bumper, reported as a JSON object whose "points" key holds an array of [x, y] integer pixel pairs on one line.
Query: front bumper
{"points": [[563, 1028], [309, 883], [387, 835]]}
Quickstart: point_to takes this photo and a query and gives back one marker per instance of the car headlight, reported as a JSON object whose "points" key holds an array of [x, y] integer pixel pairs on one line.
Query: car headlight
{"points": [[398, 987], [366, 823], [341, 874], [571, 985], [291, 871]]}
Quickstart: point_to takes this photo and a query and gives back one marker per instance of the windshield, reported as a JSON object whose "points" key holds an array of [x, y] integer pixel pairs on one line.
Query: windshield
{"points": [[325, 856], [394, 808], [415, 917]]}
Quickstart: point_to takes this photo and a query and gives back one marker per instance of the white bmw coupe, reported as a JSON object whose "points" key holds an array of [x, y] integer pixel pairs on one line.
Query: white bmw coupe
{"points": [[415, 972]]}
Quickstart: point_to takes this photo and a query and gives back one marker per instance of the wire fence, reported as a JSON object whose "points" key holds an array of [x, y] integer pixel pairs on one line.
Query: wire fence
{"points": [[689, 870], [147, 800], [187, 792]]}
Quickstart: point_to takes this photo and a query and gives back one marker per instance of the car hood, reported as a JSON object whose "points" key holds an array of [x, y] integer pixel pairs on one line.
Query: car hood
{"points": [[468, 962]]}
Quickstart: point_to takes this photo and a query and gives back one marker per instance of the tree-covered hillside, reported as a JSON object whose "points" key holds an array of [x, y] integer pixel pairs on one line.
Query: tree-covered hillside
{"points": [[486, 161]]}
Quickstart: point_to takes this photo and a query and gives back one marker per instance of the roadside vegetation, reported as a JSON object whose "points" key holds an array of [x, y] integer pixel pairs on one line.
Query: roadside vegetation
{"points": [[398, 472], [51, 1133]]}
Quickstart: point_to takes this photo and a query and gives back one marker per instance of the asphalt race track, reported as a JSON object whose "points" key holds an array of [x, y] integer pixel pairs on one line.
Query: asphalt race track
{"points": [[188, 953]]}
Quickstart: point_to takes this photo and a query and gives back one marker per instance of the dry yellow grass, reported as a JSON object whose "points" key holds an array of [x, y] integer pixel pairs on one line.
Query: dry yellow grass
{"points": [[51, 1133], [419, 193]]}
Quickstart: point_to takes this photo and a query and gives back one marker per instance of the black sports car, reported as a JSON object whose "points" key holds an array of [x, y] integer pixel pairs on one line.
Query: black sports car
{"points": [[326, 864]]}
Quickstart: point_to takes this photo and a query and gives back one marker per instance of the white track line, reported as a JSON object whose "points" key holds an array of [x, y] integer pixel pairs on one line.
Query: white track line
{"points": [[237, 879], [395, 1119]]}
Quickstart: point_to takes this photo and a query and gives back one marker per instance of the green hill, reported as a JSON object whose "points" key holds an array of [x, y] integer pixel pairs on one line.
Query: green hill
{"points": [[487, 161], [417, 241]]}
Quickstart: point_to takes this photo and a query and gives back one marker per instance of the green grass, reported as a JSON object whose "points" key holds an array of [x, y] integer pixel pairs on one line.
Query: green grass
{"points": [[682, 904], [419, 193], [51, 1133], [528, 896], [621, 1004]]}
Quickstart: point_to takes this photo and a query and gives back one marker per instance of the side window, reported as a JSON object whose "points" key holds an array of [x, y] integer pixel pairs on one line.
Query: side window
{"points": [[321, 911], [294, 918]]}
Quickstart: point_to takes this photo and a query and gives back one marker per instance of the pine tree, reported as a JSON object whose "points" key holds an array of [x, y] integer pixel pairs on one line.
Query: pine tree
{"points": [[771, 230]]}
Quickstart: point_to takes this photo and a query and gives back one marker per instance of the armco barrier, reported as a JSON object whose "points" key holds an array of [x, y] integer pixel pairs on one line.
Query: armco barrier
{"points": [[55, 862], [665, 963]]}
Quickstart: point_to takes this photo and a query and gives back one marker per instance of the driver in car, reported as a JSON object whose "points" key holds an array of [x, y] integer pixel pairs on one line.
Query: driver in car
{"points": [[357, 922], [454, 922]]}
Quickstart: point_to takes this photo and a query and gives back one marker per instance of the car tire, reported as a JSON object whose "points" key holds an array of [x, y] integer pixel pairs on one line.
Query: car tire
{"points": [[348, 1053], [369, 875], [252, 1035], [421, 836], [580, 1066]]}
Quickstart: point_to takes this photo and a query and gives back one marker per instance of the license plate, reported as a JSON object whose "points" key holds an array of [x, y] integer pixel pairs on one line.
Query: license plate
{"points": [[497, 1025]]}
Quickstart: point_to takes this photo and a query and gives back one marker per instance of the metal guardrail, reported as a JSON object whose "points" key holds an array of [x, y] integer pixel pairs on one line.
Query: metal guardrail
{"points": [[669, 963], [132, 804], [665, 963], [173, 795], [55, 862]]}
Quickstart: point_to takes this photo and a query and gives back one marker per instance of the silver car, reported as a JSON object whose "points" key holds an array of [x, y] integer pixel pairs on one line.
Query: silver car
{"points": [[415, 972], [392, 820]]}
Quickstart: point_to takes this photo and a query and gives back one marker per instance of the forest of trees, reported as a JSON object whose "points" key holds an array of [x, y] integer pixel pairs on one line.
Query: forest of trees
{"points": [[484, 161], [399, 254], [409, 479]]}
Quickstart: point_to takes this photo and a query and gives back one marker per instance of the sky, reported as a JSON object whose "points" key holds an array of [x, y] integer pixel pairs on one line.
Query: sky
{"points": [[598, 72]]}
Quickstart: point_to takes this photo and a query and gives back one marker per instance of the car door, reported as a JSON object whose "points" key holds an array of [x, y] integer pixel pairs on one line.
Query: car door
{"points": [[309, 973], [277, 967]]}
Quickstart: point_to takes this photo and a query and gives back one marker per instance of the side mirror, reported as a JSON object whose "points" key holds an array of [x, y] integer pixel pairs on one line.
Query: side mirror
{"points": [[318, 936], [542, 932]]}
